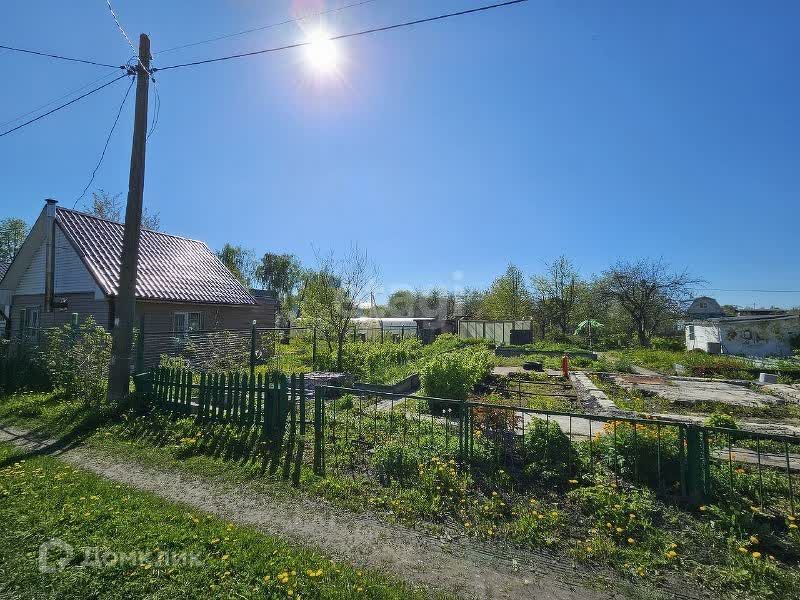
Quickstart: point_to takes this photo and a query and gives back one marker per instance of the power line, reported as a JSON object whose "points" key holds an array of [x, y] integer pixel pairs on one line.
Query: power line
{"points": [[54, 100], [59, 57], [345, 35], [759, 291], [156, 111], [57, 108], [105, 147], [125, 35], [263, 27]]}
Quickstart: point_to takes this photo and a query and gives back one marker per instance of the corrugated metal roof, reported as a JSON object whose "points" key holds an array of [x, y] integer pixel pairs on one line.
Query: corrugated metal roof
{"points": [[171, 268]]}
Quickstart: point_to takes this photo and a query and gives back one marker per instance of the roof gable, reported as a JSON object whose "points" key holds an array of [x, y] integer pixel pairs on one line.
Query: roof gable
{"points": [[171, 268]]}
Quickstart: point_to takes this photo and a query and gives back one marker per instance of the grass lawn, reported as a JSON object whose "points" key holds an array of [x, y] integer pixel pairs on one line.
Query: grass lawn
{"points": [[150, 547], [620, 529], [698, 364]]}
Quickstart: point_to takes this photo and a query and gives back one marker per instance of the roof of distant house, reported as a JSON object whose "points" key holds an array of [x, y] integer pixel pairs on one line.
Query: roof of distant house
{"points": [[171, 268]]}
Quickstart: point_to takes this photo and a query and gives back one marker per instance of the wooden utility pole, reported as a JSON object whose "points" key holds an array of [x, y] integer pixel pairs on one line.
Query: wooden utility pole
{"points": [[125, 309]]}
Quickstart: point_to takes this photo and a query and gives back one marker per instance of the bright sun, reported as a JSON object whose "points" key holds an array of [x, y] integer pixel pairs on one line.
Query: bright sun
{"points": [[322, 53]]}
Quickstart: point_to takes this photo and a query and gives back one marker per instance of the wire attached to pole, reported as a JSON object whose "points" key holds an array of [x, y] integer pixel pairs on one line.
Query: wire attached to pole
{"points": [[105, 147], [57, 108]]}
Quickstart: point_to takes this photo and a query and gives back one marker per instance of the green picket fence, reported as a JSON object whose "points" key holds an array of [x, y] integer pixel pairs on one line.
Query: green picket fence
{"points": [[266, 400]]}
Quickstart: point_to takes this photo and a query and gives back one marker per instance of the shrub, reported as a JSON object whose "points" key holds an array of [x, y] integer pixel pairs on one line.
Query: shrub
{"points": [[720, 420], [22, 367], [454, 375], [380, 362], [395, 462], [548, 453], [444, 488], [638, 452], [78, 360]]}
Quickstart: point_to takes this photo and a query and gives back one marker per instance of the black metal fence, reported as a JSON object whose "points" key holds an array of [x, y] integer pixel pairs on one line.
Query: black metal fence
{"points": [[388, 435]]}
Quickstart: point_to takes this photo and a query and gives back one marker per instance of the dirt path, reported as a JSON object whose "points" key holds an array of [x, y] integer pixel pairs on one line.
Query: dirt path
{"points": [[452, 565]]}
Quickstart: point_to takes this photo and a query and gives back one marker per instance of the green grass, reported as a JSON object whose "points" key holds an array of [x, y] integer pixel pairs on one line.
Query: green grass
{"points": [[424, 489], [43, 498], [702, 364]]}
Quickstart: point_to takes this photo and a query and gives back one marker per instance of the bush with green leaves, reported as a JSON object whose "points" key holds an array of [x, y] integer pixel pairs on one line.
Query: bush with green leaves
{"points": [[22, 367], [721, 420], [78, 359], [381, 362], [453, 375], [640, 453], [395, 462], [548, 454]]}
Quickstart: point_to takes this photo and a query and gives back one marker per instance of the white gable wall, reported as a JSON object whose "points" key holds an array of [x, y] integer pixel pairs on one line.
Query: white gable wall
{"points": [[71, 275], [704, 334]]}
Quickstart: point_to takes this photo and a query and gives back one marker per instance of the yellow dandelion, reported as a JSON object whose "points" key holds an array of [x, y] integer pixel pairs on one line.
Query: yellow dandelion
{"points": [[631, 541], [753, 539], [756, 554]]}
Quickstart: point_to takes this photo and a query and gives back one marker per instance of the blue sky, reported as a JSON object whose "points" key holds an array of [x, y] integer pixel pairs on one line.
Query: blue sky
{"points": [[602, 130]]}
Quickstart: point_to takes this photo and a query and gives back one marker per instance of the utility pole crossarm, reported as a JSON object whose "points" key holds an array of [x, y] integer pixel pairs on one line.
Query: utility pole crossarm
{"points": [[125, 310]]}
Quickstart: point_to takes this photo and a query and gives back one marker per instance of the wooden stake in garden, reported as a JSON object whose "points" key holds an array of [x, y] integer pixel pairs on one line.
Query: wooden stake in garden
{"points": [[125, 307]]}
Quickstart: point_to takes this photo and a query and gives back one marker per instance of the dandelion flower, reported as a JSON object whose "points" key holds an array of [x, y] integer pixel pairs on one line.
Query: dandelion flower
{"points": [[753, 539], [672, 554], [742, 549], [631, 541], [756, 554]]}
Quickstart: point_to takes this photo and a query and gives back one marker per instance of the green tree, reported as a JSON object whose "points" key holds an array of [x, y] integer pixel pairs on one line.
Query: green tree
{"points": [[400, 304], [281, 274], [12, 234], [508, 297], [557, 292], [239, 261], [650, 293], [333, 292]]}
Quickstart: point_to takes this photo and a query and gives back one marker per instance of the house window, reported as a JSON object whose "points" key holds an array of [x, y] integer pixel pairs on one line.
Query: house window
{"points": [[186, 322], [691, 332], [29, 319]]}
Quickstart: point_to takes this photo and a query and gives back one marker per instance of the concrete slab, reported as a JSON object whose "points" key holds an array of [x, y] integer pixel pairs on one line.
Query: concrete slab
{"points": [[689, 392]]}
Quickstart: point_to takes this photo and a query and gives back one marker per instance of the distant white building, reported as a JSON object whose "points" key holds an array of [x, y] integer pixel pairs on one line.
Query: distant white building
{"points": [[704, 307], [769, 335]]}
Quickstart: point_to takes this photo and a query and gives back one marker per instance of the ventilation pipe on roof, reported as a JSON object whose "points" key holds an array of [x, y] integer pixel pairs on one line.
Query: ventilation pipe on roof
{"points": [[50, 253]]}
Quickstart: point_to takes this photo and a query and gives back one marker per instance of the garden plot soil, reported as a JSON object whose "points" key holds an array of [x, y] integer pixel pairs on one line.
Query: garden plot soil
{"points": [[448, 564], [693, 392]]}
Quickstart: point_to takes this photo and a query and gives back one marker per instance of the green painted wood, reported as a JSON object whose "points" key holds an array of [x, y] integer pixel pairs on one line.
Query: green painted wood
{"points": [[201, 410], [251, 401]]}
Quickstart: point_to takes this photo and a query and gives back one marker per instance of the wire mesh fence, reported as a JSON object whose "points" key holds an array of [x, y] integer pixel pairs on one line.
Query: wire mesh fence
{"points": [[388, 436]]}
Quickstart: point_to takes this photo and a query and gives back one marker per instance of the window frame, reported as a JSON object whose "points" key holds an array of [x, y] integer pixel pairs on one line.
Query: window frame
{"points": [[187, 319]]}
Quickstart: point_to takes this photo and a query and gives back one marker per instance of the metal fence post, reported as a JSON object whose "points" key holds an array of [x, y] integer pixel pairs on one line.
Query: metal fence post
{"points": [[318, 441], [252, 349], [694, 464]]}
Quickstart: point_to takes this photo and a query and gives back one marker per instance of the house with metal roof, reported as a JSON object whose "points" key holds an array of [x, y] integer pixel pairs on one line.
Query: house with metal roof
{"points": [[70, 263]]}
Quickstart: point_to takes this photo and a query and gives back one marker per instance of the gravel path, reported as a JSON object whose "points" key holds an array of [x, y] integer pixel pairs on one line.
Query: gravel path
{"points": [[452, 565]]}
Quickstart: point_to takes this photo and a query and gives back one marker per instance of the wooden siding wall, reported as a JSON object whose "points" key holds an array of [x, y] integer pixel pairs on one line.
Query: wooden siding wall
{"points": [[83, 304], [71, 275], [158, 317]]}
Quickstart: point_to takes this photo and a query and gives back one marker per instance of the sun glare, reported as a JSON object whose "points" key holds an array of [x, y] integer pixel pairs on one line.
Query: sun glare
{"points": [[321, 53]]}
